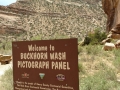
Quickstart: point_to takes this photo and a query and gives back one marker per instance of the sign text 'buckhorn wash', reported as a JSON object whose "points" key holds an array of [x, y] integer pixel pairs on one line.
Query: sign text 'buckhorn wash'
{"points": [[45, 65]]}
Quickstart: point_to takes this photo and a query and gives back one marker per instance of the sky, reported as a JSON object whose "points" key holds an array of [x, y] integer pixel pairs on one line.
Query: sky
{"points": [[6, 2]]}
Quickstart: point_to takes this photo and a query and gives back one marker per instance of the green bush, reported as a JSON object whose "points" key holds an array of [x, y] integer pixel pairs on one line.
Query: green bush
{"points": [[8, 45], [95, 38]]}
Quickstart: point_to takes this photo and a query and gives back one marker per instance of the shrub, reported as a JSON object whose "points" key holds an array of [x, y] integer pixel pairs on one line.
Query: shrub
{"points": [[95, 37], [8, 45]]}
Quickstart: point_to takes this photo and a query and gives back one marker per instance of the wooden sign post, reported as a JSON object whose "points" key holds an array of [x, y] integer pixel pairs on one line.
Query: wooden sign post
{"points": [[45, 65]]}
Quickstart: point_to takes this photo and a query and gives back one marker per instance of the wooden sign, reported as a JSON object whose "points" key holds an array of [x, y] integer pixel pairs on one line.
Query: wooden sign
{"points": [[45, 65]]}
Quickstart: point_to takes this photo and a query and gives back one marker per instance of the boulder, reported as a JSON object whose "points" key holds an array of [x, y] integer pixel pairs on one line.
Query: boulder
{"points": [[115, 36], [109, 46], [116, 29], [106, 40], [5, 59], [117, 44]]}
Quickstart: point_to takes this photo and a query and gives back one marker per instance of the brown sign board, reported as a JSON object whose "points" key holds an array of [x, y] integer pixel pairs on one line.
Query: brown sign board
{"points": [[45, 65]]}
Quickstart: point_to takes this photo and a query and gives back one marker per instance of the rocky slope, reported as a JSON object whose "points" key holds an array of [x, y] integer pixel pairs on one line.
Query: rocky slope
{"points": [[50, 19]]}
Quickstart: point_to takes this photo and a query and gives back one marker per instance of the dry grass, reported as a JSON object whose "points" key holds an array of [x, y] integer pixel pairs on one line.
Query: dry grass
{"points": [[98, 66], [6, 81]]}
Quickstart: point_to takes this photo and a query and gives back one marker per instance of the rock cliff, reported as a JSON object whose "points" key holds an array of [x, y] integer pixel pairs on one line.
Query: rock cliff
{"points": [[50, 19]]}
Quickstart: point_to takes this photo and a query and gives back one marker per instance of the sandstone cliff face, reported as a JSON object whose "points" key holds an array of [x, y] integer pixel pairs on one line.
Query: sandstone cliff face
{"points": [[112, 9], [10, 19], [50, 19]]}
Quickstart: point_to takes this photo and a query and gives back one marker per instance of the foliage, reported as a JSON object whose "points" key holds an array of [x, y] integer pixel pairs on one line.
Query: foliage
{"points": [[97, 37], [94, 37], [8, 45]]}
